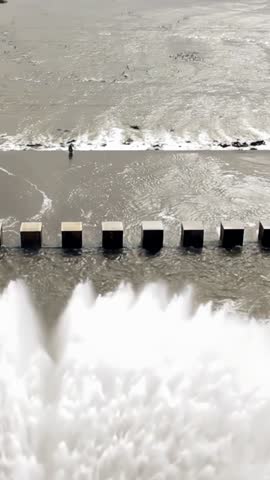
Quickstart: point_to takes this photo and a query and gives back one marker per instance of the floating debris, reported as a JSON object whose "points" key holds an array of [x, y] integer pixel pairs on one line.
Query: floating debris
{"points": [[128, 141]]}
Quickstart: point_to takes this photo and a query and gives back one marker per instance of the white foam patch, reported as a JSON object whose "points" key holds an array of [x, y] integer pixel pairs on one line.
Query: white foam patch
{"points": [[93, 79], [46, 202], [10, 224], [119, 139], [142, 387], [259, 133], [7, 172]]}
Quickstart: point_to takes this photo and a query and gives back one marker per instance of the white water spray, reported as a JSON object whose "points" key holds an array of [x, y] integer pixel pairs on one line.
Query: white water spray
{"points": [[140, 387], [116, 139]]}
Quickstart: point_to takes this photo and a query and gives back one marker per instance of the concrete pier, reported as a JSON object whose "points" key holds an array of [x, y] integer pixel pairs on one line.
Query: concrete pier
{"points": [[192, 234], [112, 235], [152, 235], [71, 234], [264, 234], [231, 234], [31, 234]]}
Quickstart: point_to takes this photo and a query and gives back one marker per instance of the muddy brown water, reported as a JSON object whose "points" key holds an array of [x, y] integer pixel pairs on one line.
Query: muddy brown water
{"points": [[171, 187]]}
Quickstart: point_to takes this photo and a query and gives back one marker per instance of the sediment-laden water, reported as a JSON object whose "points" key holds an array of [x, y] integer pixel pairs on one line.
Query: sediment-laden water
{"points": [[166, 375], [172, 187], [134, 75]]}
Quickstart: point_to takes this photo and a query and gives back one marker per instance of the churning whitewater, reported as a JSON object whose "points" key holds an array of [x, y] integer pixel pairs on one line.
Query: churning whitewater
{"points": [[117, 139], [132, 386]]}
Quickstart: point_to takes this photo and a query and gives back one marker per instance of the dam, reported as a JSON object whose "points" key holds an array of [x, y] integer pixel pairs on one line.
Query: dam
{"points": [[125, 364], [134, 231]]}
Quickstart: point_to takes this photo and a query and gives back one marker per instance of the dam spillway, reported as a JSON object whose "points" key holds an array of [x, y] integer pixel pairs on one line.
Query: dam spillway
{"points": [[134, 286]]}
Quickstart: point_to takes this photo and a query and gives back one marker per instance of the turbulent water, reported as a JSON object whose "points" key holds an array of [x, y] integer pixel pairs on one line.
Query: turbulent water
{"points": [[134, 75], [130, 387]]}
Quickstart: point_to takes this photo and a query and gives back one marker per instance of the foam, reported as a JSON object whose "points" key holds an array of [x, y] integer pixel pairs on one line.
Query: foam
{"points": [[46, 205], [141, 386], [21, 362], [119, 139]]}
